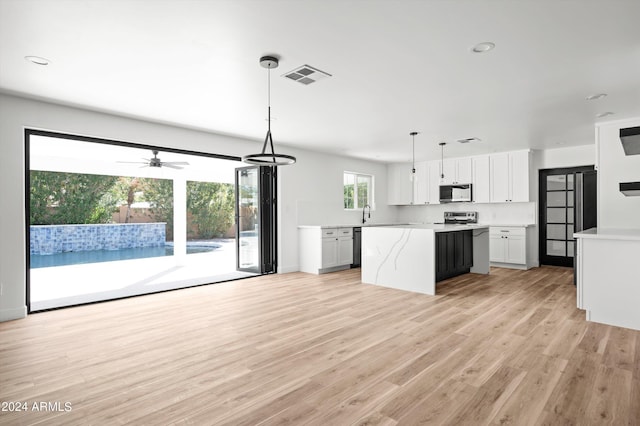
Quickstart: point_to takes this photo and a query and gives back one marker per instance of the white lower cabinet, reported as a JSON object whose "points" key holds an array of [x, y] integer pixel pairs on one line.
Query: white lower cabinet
{"points": [[325, 249], [508, 246]]}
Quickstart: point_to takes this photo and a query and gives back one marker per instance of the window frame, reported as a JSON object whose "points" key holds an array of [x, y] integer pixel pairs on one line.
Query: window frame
{"points": [[371, 190]]}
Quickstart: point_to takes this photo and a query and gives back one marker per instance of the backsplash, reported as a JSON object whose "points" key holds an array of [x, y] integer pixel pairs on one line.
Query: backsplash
{"points": [[494, 213]]}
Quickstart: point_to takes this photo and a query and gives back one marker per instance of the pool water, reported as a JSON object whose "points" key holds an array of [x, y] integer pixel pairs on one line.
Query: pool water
{"points": [[96, 256]]}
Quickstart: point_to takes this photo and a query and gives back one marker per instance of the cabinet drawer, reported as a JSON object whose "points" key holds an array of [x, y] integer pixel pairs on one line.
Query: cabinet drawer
{"points": [[345, 232], [329, 233], [507, 230]]}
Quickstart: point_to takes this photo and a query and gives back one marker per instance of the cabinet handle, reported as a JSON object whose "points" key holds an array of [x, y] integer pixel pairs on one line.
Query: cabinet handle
{"points": [[504, 230], [329, 233]]}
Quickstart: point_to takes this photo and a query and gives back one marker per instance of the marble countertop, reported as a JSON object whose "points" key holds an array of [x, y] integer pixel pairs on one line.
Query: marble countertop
{"points": [[609, 234], [433, 225], [366, 225], [441, 227], [506, 225]]}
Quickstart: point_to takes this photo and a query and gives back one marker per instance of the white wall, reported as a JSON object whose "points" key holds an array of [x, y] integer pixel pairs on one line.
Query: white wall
{"points": [[312, 194], [615, 210], [309, 192], [572, 156]]}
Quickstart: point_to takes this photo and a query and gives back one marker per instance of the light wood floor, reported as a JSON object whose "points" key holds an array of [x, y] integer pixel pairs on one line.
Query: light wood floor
{"points": [[508, 348]]}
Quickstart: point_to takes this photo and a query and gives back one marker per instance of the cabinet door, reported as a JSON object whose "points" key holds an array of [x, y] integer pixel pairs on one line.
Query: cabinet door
{"points": [[468, 249], [515, 249], [449, 168], [463, 169], [345, 251], [434, 182], [480, 181], [497, 248], [519, 175], [329, 252], [422, 185], [458, 250], [399, 185], [441, 254], [499, 174]]}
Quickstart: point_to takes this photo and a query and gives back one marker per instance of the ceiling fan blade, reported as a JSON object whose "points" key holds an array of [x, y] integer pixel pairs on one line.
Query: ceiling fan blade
{"points": [[176, 163], [171, 166]]}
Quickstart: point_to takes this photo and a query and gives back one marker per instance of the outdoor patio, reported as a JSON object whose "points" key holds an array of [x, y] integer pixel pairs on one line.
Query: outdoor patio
{"points": [[74, 284]]}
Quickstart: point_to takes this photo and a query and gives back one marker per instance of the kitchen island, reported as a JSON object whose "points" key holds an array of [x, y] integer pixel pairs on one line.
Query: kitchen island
{"points": [[406, 257], [607, 282]]}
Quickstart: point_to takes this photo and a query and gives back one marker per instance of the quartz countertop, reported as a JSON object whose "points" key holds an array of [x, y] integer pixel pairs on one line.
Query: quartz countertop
{"points": [[507, 225], [609, 234], [359, 225], [438, 227]]}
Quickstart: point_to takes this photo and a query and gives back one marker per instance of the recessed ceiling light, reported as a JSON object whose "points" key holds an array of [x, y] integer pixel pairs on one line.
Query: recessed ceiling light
{"points": [[37, 60], [483, 47], [604, 114], [596, 96]]}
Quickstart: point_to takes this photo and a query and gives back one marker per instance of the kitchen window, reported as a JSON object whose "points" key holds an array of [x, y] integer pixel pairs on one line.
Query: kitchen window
{"points": [[358, 190]]}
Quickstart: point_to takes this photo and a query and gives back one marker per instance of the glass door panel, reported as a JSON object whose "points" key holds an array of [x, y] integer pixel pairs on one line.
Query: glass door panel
{"points": [[248, 219]]}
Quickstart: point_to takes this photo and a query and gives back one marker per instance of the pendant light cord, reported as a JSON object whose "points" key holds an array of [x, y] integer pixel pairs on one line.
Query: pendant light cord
{"points": [[413, 166], [269, 98]]}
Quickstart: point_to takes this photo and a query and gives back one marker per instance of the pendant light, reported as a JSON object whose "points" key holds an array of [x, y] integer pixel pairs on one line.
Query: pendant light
{"points": [[269, 158], [442, 144], [412, 177]]}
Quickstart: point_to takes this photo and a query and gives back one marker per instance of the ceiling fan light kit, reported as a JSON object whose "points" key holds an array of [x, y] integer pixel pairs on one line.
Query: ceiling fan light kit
{"points": [[265, 158], [156, 162]]}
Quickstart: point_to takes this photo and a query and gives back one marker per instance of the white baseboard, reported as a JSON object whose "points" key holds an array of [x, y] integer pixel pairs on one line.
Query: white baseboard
{"points": [[13, 314], [287, 269]]}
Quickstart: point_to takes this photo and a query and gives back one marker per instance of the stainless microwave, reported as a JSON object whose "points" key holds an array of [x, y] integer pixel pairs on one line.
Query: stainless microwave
{"points": [[456, 193]]}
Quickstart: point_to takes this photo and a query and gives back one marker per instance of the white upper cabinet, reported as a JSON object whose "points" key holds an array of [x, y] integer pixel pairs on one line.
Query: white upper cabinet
{"points": [[519, 162], [456, 170], [434, 182], [422, 187], [481, 182], [509, 177], [399, 184], [496, 178]]}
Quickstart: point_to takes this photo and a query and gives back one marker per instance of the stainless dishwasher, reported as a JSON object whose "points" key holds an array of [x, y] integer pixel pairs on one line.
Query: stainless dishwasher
{"points": [[357, 247]]}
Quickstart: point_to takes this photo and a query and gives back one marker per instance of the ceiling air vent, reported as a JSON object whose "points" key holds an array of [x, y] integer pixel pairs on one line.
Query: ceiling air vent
{"points": [[306, 75], [469, 140]]}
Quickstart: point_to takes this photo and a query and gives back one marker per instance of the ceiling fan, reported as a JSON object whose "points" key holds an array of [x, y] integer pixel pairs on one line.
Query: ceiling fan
{"points": [[155, 162]]}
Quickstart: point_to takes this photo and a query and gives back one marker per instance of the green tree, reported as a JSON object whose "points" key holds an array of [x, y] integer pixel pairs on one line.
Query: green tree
{"points": [[212, 207], [159, 194], [70, 198]]}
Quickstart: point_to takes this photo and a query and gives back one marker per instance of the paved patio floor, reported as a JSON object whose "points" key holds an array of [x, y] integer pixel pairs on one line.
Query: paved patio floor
{"points": [[74, 284]]}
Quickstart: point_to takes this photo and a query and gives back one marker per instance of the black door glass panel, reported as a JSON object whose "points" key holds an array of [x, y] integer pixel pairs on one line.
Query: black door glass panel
{"points": [[556, 183], [556, 215], [556, 199]]}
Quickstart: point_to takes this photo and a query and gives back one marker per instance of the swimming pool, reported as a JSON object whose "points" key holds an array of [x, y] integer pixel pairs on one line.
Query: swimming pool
{"points": [[96, 256]]}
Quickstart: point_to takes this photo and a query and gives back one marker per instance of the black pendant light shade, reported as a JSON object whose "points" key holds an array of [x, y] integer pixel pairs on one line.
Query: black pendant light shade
{"points": [[265, 158]]}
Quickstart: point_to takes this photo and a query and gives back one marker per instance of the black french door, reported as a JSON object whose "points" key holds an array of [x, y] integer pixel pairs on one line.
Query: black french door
{"points": [[256, 245], [557, 195]]}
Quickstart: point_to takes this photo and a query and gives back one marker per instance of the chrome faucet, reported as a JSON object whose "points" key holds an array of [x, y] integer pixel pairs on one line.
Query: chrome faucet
{"points": [[363, 209]]}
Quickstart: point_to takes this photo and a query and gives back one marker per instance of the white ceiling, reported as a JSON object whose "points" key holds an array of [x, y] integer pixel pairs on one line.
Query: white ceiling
{"points": [[397, 66]]}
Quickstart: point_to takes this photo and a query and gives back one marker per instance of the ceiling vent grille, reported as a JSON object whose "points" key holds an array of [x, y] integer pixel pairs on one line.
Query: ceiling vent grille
{"points": [[469, 140], [306, 75]]}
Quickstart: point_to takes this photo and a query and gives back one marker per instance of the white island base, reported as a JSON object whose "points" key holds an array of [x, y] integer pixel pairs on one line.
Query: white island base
{"points": [[608, 286], [404, 257]]}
